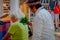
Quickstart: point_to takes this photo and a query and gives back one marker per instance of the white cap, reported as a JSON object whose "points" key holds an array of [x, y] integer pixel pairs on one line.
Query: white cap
{"points": [[15, 10], [19, 14]]}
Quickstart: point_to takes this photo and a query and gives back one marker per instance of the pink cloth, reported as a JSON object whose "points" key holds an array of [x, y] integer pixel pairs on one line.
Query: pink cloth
{"points": [[5, 26]]}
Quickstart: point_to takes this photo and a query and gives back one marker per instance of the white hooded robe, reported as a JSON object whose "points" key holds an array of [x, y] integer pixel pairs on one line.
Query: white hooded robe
{"points": [[43, 26]]}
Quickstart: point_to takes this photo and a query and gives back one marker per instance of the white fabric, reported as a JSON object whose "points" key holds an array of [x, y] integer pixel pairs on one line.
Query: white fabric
{"points": [[43, 27], [15, 10], [19, 14]]}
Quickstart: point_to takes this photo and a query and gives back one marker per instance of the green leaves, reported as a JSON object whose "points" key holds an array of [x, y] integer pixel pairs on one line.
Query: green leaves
{"points": [[24, 20]]}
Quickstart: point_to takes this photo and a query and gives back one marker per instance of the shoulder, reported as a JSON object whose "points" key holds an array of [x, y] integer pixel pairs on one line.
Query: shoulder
{"points": [[16, 23], [43, 14]]}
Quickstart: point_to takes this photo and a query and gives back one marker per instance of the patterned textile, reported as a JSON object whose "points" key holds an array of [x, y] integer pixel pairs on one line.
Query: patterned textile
{"points": [[4, 28]]}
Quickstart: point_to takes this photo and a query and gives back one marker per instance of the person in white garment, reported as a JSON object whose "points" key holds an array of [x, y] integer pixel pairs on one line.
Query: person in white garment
{"points": [[43, 26]]}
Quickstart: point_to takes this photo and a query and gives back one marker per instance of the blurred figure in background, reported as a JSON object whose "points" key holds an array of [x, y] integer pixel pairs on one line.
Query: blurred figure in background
{"points": [[56, 14], [51, 5], [43, 26], [59, 13], [24, 7]]}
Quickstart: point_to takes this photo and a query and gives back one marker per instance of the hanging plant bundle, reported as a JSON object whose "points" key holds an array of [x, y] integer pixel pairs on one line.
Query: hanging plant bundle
{"points": [[24, 20]]}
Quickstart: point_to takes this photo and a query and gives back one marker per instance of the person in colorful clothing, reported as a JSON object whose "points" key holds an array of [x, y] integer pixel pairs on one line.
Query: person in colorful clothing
{"points": [[51, 5], [56, 14], [17, 30]]}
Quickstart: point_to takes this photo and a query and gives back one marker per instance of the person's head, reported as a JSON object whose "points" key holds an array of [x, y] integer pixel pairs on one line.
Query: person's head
{"points": [[16, 16], [34, 5], [13, 18]]}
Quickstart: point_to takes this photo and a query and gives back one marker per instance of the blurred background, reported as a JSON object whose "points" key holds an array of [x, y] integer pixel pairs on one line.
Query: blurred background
{"points": [[6, 6]]}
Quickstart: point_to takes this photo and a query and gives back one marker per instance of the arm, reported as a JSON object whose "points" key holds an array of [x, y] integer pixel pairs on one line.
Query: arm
{"points": [[49, 9], [5, 15], [11, 31], [7, 37], [29, 23]]}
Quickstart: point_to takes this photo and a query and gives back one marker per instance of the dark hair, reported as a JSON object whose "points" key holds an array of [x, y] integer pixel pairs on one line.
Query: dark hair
{"points": [[37, 6], [32, 1]]}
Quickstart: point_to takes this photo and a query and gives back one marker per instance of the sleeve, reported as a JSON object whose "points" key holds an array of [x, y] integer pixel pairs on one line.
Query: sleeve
{"points": [[37, 28], [12, 29]]}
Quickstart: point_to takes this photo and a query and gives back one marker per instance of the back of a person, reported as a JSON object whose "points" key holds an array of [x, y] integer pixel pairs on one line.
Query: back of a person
{"points": [[21, 32], [46, 28]]}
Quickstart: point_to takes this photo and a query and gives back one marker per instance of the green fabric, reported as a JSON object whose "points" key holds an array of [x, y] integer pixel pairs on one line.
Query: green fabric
{"points": [[18, 31], [24, 20]]}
